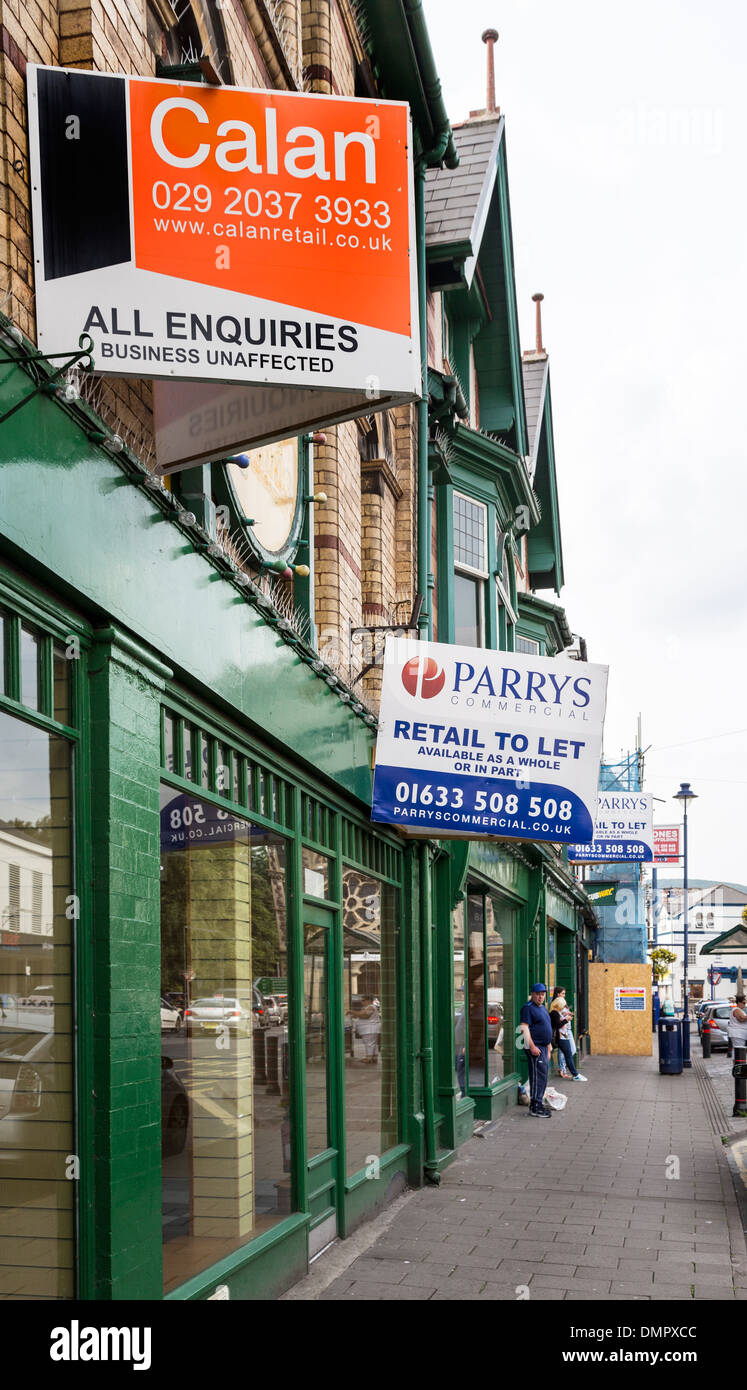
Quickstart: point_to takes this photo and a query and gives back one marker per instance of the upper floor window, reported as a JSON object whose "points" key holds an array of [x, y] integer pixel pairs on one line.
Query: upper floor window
{"points": [[470, 570], [528, 645]]}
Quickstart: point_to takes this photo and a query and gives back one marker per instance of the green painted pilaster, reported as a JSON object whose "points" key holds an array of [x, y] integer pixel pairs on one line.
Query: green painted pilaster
{"points": [[125, 689]]}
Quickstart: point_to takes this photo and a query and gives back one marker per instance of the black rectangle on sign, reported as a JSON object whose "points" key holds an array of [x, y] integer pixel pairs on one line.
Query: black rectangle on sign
{"points": [[83, 171]]}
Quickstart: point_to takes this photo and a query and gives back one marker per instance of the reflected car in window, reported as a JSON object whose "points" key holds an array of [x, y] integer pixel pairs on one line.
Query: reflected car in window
{"points": [[210, 1014], [171, 1018], [495, 1014], [174, 1110]]}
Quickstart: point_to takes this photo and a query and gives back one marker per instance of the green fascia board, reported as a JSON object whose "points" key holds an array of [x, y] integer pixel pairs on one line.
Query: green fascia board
{"points": [[396, 39], [513, 312], [545, 547], [550, 617], [467, 303], [71, 515], [457, 251], [485, 457]]}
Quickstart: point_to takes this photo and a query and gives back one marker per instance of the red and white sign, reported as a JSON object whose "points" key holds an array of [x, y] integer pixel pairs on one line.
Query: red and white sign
{"points": [[666, 844], [221, 235]]}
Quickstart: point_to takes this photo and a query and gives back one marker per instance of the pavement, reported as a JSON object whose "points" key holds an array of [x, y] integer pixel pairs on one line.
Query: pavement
{"points": [[627, 1193]]}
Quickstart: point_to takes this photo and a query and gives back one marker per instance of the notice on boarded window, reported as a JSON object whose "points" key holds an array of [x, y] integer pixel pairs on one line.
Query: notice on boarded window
{"points": [[630, 998]]}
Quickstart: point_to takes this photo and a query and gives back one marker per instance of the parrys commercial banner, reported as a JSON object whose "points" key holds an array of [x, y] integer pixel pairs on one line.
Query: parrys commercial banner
{"points": [[224, 235], [479, 743], [624, 830]]}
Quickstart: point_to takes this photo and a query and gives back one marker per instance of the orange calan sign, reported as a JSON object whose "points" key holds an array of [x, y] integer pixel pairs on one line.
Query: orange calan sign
{"points": [[224, 235]]}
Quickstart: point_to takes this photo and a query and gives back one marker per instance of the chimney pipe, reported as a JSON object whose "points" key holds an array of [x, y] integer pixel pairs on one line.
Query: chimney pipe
{"points": [[490, 37], [537, 298]]}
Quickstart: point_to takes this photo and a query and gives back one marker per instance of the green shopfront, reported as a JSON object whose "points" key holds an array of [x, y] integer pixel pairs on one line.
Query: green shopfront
{"points": [[208, 970], [228, 1003]]}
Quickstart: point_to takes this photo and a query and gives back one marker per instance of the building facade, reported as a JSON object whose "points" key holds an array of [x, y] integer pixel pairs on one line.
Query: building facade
{"points": [[716, 940], [229, 1000]]}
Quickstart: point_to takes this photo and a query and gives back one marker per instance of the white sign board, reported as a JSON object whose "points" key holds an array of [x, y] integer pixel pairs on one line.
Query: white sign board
{"points": [[630, 998], [624, 830], [474, 742], [215, 234]]}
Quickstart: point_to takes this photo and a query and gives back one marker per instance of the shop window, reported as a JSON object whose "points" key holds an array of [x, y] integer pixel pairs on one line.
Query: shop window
{"points": [[37, 1212], [460, 1012], [499, 939], [551, 957], [29, 668], [369, 983], [470, 570], [225, 1046], [315, 874], [483, 990], [62, 703], [476, 991]]}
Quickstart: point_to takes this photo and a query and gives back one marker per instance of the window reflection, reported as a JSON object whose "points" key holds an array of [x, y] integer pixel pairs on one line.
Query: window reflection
{"points": [[460, 1012], [225, 1070], [369, 965], [317, 1044], [36, 1043], [476, 1001], [315, 874]]}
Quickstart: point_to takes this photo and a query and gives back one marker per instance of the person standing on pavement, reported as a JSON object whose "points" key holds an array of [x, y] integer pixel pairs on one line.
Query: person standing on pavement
{"points": [[560, 1017], [536, 1028], [737, 1026]]}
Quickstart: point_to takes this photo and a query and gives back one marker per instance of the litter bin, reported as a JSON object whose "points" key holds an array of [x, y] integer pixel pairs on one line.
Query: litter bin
{"points": [[656, 1010], [670, 1046]]}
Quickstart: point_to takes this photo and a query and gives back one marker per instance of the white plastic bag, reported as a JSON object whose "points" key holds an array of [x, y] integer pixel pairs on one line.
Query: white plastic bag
{"points": [[555, 1099]]}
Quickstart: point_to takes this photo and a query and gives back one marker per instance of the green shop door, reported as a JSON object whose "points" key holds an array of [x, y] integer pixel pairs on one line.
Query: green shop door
{"points": [[322, 1109]]}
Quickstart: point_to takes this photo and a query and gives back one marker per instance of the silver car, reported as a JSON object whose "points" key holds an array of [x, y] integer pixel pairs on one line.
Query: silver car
{"points": [[717, 1017], [219, 1011]]}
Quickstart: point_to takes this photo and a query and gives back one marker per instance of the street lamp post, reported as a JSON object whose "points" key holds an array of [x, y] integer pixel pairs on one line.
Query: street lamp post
{"points": [[684, 796]]}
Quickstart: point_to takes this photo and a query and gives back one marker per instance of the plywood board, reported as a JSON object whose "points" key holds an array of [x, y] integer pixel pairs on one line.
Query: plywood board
{"points": [[614, 1031]]}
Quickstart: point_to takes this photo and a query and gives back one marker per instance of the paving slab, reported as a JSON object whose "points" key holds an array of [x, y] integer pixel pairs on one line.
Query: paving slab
{"points": [[585, 1208]]}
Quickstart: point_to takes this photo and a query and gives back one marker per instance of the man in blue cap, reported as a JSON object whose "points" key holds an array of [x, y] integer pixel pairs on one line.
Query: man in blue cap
{"points": [[534, 1021]]}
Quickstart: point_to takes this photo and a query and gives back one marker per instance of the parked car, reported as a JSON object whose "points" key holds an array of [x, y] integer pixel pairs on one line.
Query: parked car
{"points": [[171, 1018], [260, 1015], [273, 1010], [210, 1014], [282, 1002], [717, 1017], [174, 1110], [495, 1014], [700, 1009]]}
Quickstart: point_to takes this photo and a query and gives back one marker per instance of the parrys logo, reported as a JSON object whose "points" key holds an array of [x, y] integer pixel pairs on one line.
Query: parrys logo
{"points": [[422, 677]]}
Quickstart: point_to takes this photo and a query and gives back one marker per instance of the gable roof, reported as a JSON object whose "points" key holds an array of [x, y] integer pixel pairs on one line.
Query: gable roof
{"points": [[535, 373], [732, 942], [457, 200], [544, 544]]}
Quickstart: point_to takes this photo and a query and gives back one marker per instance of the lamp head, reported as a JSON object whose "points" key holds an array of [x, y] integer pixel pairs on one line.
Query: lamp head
{"points": [[685, 795]]}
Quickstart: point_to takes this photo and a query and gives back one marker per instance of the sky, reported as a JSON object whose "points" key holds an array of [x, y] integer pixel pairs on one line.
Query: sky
{"points": [[626, 133]]}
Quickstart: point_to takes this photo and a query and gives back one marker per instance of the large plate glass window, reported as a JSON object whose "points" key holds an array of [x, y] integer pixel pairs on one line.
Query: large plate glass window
{"points": [[500, 920], [470, 570], [460, 1006], [37, 920], [224, 1036], [369, 983]]}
